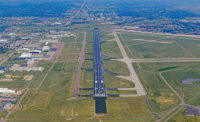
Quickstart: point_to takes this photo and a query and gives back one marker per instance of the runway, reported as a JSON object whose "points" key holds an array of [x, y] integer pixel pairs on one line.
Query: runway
{"points": [[99, 82]]}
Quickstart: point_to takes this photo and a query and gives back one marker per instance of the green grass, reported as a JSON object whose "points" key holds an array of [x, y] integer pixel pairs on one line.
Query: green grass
{"points": [[196, 101], [68, 48], [128, 109], [141, 45], [66, 66], [86, 79], [44, 104], [115, 82], [37, 79], [107, 37], [127, 92], [57, 81], [3, 114], [111, 49], [180, 117], [17, 85], [159, 95], [117, 67], [169, 68], [68, 39], [65, 57], [157, 67], [46, 65], [174, 79], [190, 44]]}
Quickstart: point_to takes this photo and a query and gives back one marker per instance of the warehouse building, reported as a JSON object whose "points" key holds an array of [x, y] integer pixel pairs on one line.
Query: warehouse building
{"points": [[24, 50], [2, 70], [35, 52], [45, 48], [6, 91], [189, 81]]}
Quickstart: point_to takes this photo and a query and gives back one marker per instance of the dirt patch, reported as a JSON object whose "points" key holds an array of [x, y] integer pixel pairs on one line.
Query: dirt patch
{"points": [[7, 78], [166, 42], [122, 83], [69, 118], [164, 100], [28, 77], [59, 46]]}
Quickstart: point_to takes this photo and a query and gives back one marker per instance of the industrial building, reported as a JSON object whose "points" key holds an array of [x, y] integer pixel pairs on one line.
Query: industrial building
{"points": [[2, 70], [30, 62], [4, 106], [49, 40], [26, 55], [23, 50], [45, 48], [3, 40], [35, 51], [6, 91], [189, 81], [18, 68]]}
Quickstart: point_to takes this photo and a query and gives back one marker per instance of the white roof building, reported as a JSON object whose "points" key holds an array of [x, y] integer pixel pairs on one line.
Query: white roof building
{"points": [[23, 50], [35, 51], [6, 91], [3, 40], [26, 55], [45, 48]]}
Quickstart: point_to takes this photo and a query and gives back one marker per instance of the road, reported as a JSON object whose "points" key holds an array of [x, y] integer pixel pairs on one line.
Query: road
{"points": [[99, 83], [80, 60], [77, 13], [133, 76]]}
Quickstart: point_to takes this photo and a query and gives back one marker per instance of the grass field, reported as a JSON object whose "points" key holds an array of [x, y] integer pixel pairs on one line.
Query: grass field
{"points": [[111, 49], [128, 108], [57, 81], [82, 109], [3, 114], [17, 85], [117, 67], [115, 82], [158, 46], [180, 117], [65, 66], [159, 95], [52, 102], [174, 73], [37, 80], [188, 71], [46, 65]]}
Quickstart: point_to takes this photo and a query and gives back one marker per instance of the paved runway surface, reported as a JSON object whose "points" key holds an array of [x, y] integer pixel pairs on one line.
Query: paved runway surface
{"points": [[99, 83]]}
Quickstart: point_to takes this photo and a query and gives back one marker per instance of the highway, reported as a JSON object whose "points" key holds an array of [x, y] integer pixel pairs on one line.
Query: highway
{"points": [[99, 83]]}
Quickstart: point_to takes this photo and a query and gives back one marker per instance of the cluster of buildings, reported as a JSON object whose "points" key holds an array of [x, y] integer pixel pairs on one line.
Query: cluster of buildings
{"points": [[6, 99], [60, 34], [27, 53], [30, 55], [19, 68]]}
